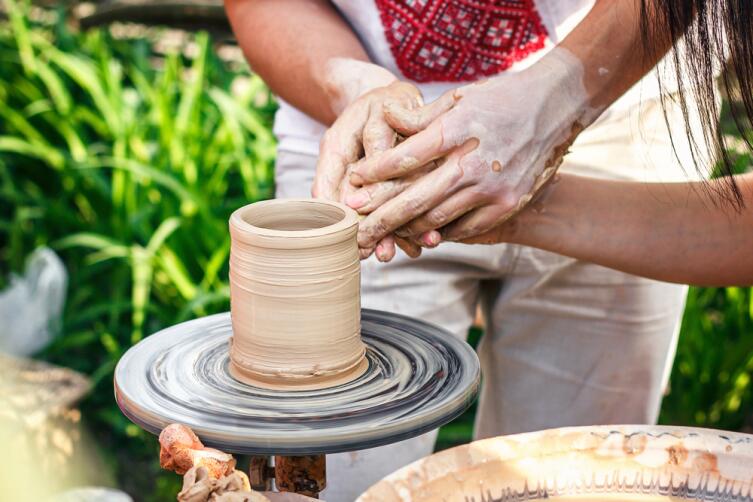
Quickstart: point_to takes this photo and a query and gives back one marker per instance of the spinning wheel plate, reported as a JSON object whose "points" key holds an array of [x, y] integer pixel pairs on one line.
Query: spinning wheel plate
{"points": [[418, 378]]}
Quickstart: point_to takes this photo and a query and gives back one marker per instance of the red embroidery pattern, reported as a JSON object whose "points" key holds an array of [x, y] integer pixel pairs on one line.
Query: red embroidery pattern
{"points": [[460, 40]]}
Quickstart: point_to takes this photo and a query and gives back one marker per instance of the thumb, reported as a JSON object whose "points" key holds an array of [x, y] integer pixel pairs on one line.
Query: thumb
{"points": [[410, 121]]}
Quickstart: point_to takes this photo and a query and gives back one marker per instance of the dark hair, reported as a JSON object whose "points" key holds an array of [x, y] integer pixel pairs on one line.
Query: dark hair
{"points": [[714, 34]]}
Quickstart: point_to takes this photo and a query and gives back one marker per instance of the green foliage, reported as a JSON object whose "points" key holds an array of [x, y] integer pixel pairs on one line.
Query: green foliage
{"points": [[128, 164], [711, 378]]}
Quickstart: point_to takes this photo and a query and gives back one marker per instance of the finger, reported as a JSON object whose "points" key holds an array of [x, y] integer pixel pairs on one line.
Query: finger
{"points": [[364, 253], [385, 250], [369, 197], [409, 121], [346, 189], [408, 247], [430, 239], [425, 193], [378, 136], [340, 146], [443, 214], [405, 158]]}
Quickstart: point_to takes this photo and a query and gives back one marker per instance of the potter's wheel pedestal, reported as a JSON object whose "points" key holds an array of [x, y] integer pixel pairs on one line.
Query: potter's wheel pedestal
{"points": [[419, 377]]}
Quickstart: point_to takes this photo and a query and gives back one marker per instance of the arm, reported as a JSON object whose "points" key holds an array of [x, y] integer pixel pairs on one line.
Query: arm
{"points": [[666, 231], [609, 46], [289, 43], [502, 139]]}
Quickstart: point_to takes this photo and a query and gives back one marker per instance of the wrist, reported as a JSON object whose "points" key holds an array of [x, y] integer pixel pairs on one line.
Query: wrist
{"points": [[562, 76], [345, 80], [543, 223]]}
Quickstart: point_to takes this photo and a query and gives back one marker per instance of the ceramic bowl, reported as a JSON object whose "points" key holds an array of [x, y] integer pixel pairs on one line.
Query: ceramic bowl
{"points": [[609, 463]]}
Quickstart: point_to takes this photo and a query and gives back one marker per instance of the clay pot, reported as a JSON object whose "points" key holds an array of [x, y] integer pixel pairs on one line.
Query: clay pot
{"points": [[608, 463], [295, 294]]}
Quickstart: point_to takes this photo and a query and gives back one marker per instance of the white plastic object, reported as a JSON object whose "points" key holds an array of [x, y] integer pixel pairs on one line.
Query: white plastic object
{"points": [[31, 306]]}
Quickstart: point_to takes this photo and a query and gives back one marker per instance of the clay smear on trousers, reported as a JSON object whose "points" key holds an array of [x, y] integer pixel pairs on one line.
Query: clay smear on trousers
{"points": [[295, 294]]}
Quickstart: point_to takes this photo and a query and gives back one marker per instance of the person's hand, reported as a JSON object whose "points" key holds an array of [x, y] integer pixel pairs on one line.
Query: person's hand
{"points": [[497, 141], [359, 92]]}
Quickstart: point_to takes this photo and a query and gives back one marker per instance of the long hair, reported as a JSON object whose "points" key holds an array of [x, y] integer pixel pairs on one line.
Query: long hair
{"points": [[714, 35]]}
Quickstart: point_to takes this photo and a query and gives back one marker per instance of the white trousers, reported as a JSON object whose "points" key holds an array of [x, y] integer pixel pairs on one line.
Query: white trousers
{"points": [[566, 342]]}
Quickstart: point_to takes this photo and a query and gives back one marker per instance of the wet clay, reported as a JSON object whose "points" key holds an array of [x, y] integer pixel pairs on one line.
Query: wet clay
{"points": [[295, 294]]}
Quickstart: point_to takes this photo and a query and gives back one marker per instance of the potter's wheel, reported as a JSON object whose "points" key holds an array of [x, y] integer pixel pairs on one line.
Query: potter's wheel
{"points": [[418, 378]]}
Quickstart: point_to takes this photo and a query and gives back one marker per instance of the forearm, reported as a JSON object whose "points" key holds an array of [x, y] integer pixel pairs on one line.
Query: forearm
{"points": [[297, 47], [609, 48], [670, 231]]}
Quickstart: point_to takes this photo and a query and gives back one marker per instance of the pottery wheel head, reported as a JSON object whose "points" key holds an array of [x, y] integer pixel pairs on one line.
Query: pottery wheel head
{"points": [[418, 378]]}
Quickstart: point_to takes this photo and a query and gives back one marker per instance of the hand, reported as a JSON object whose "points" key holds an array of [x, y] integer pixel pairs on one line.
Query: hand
{"points": [[499, 141], [359, 92]]}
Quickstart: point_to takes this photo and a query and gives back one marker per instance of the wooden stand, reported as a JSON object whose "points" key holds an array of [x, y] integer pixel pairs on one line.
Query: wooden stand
{"points": [[305, 475]]}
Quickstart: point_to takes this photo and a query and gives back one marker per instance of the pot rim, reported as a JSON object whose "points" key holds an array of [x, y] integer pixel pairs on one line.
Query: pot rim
{"points": [[241, 229]]}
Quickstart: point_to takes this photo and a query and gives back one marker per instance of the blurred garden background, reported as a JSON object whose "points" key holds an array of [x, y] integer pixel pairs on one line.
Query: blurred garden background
{"points": [[125, 148]]}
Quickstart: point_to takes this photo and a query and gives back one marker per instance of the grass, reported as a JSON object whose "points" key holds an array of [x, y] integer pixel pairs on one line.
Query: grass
{"points": [[128, 163]]}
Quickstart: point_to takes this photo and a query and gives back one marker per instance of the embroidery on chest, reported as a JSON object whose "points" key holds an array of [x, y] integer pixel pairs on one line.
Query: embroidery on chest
{"points": [[460, 40]]}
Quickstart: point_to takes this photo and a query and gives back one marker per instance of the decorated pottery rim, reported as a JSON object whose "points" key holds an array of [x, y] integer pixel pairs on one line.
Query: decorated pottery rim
{"points": [[245, 226], [626, 460]]}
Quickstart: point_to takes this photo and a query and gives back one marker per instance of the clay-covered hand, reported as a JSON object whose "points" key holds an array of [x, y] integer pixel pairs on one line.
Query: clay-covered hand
{"points": [[496, 141], [358, 93]]}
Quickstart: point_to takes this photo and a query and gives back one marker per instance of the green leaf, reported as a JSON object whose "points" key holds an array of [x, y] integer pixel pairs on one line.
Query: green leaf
{"points": [[201, 301], [84, 73], [166, 228], [21, 35], [215, 263], [143, 171], [22, 147], [88, 240], [141, 276], [16, 120], [177, 272], [55, 87]]}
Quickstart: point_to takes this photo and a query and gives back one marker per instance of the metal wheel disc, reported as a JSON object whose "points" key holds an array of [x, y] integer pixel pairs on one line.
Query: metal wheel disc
{"points": [[418, 378]]}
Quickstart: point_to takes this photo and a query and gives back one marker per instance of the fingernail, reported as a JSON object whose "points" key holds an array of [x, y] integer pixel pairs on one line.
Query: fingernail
{"points": [[381, 255], [357, 199], [431, 239], [355, 179]]}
